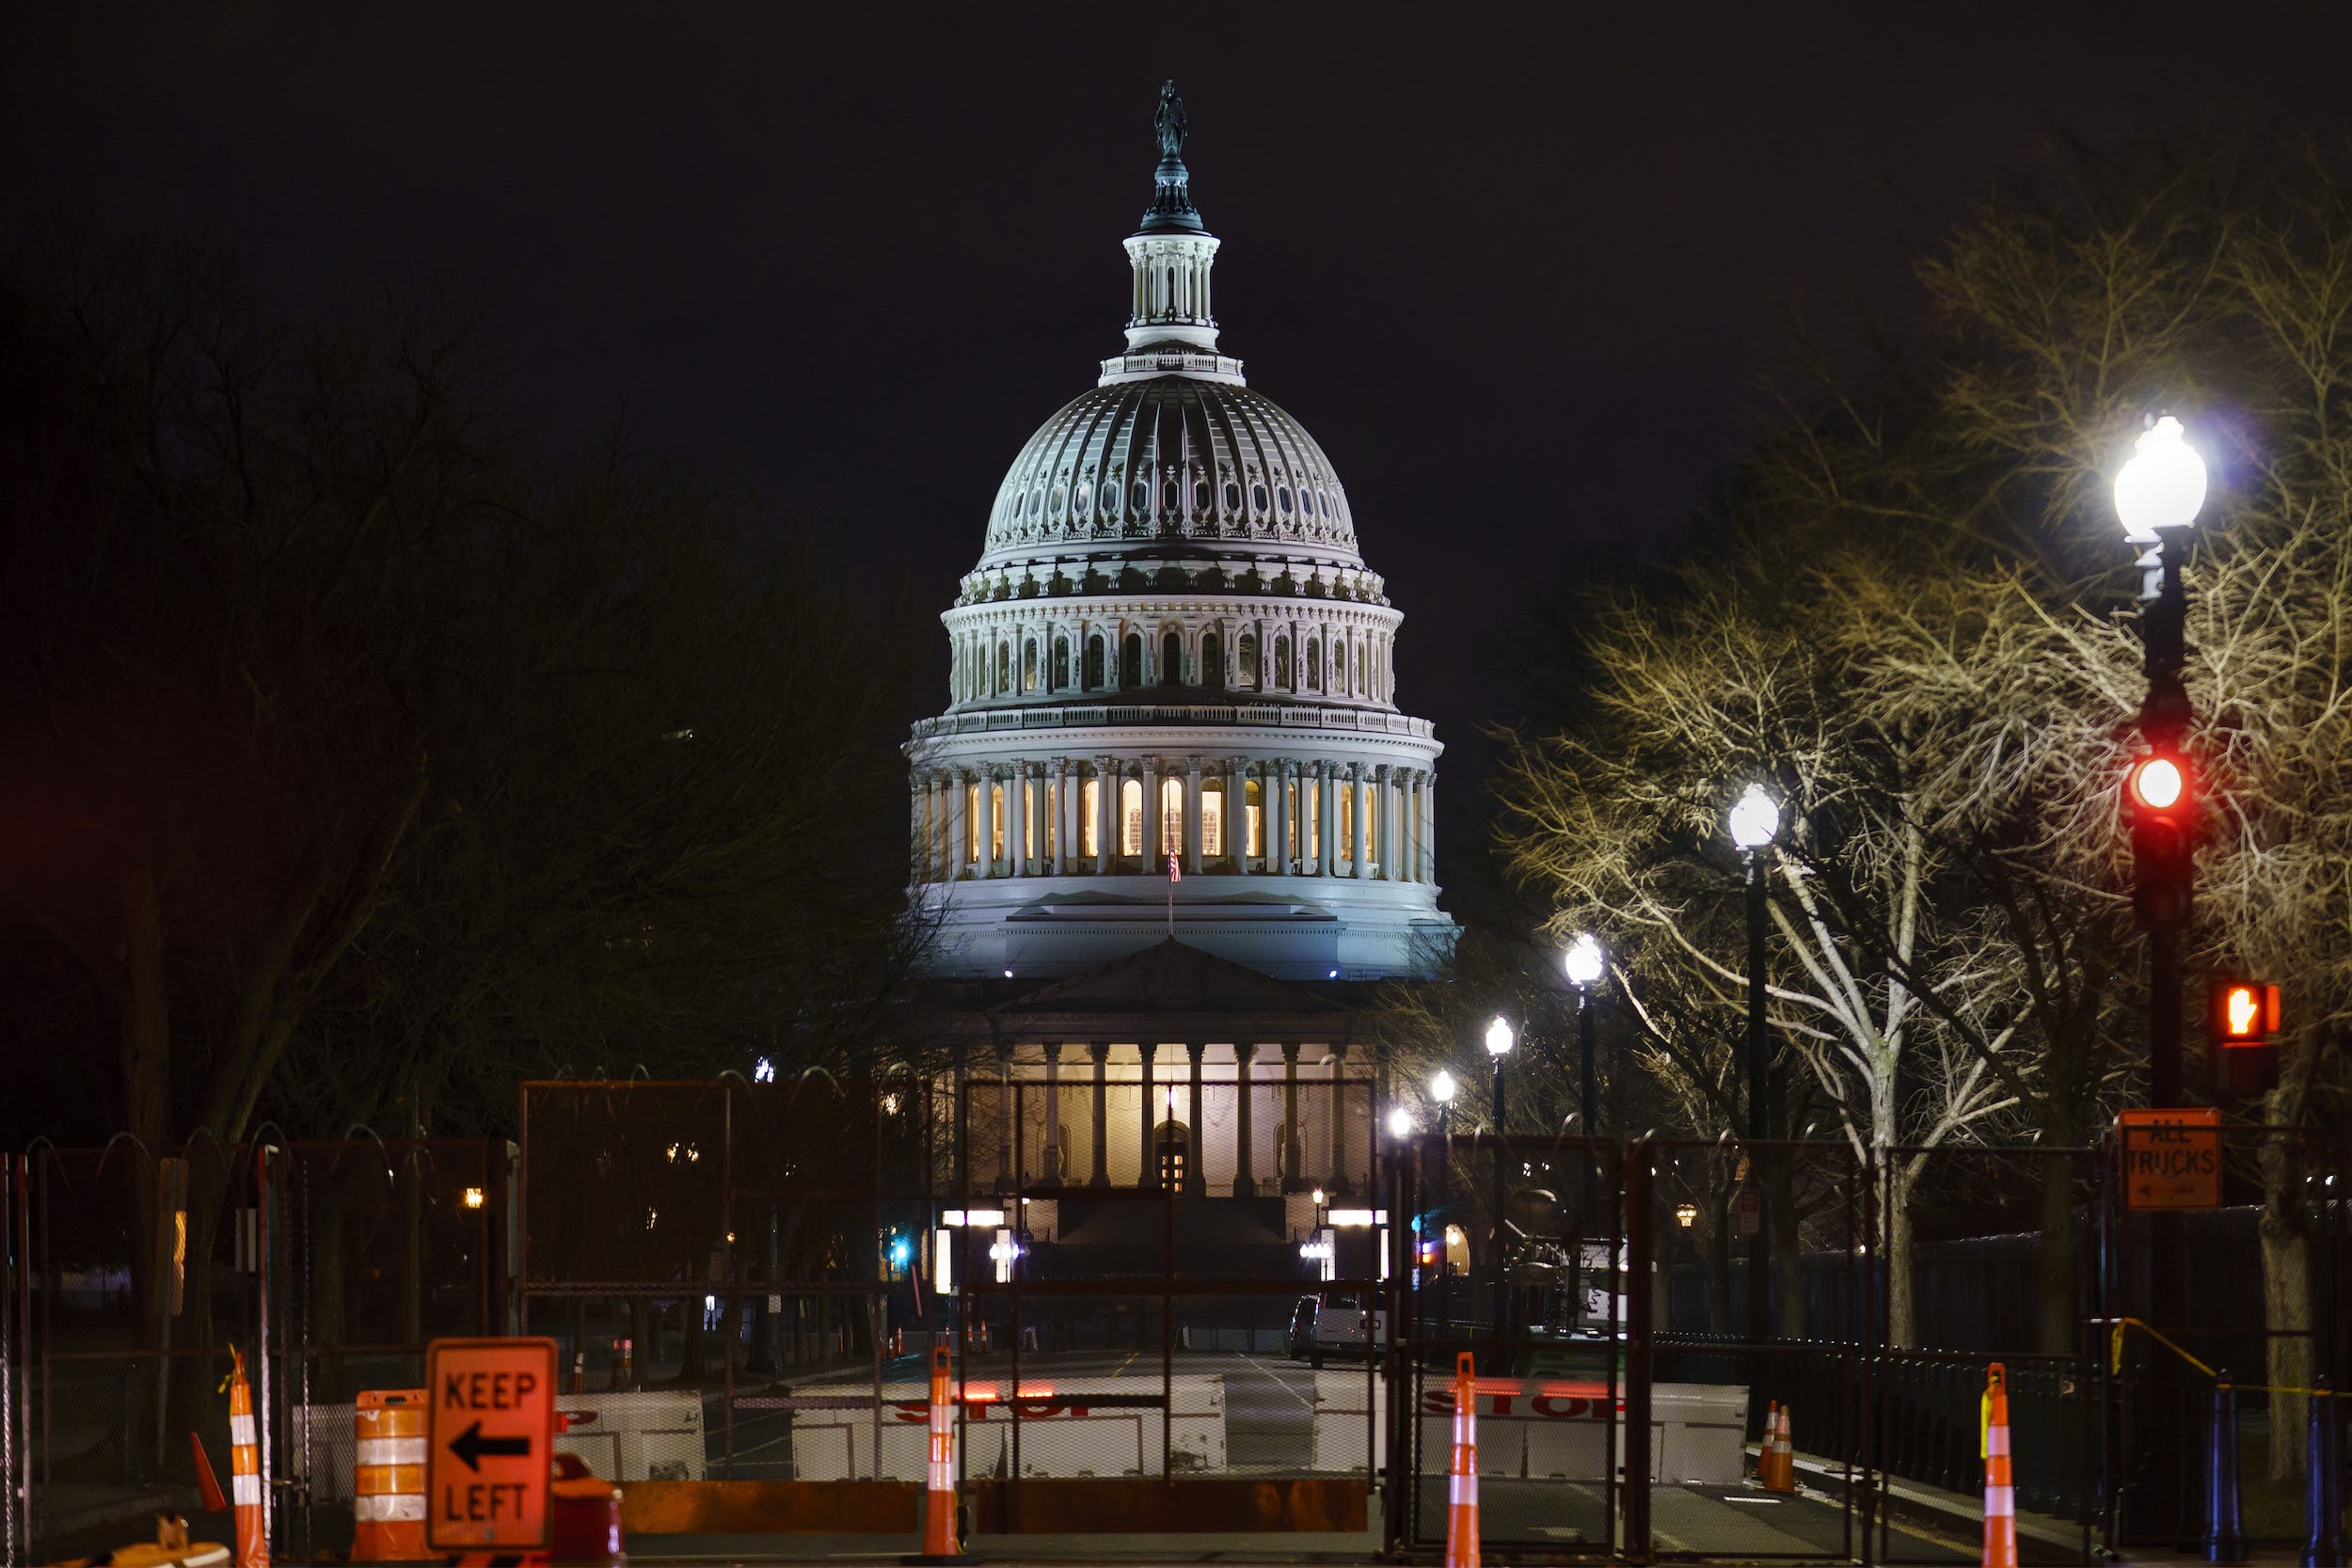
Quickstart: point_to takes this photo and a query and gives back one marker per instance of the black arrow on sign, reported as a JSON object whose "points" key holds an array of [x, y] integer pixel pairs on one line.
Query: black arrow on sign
{"points": [[470, 1446]]}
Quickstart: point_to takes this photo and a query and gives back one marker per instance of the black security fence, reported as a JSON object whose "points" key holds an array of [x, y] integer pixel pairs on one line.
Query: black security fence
{"points": [[745, 1282]]}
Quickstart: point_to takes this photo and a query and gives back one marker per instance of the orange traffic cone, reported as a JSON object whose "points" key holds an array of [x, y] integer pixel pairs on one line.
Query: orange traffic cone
{"points": [[1784, 1476], [1461, 1514], [2000, 1499], [245, 1469], [939, 1517]]}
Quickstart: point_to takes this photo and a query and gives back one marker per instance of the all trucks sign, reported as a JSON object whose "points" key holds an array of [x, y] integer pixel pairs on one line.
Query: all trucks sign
{"points": [[490, 1444], [2171, 1158]]}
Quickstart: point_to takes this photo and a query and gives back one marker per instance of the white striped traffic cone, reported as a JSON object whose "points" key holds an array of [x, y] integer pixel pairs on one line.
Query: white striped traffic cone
{"points": [[2000, 1496], [244, 1470], [388, 1475], [1461, 1513], [939, 1517]]}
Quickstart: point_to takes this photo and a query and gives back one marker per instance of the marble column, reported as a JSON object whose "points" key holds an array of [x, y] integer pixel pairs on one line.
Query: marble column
{"points": [[984, 864], [1313, 822], [1338, 1118], [1196, 1158], [1236, 818], [957, 832], [1105, 813], [1192, 817], [1294, 1136], [1066, 816], [1359, 816], [1151, 829], [1332, 854], [1017, 815], [1151, 1175], [1099, 1147], [1053, 1114], [1245, 1176]]}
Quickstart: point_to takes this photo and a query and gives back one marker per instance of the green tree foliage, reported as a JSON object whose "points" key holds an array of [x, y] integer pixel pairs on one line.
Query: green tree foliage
{"points": [[361, 762]]}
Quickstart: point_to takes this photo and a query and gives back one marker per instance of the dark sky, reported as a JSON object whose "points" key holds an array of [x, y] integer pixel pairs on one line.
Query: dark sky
{"points": [[1514, 266]]}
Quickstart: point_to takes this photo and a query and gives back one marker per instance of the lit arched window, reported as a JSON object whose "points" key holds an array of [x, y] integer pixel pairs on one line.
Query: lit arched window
{"points": [[1253, 823], [996, 822], [1213, 819], [1089, 808], [1171, 817], [1131, 817], [1028, 664]]}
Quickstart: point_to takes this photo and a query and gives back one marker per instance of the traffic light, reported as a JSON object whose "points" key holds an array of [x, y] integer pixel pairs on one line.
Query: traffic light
{"points": [[2242, 1035], [2159, 802]]}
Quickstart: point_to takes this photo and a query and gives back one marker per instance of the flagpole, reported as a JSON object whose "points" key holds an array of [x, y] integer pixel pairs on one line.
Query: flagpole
{"points": [[1171, 894]]}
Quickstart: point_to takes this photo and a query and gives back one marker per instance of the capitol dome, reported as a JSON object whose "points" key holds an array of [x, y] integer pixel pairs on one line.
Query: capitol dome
{"points": [[1171, 685]]}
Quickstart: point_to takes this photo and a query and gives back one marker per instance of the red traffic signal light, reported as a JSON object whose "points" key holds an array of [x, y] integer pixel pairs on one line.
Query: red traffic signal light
{"points": [[2159, 802], [2241, 1031]]}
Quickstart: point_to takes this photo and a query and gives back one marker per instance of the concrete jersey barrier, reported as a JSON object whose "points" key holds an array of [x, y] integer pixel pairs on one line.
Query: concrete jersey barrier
{"points": [[1062, 1435]]}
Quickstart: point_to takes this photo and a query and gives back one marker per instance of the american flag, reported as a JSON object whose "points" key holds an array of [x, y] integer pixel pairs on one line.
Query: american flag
{"points": [[1175, 872]]}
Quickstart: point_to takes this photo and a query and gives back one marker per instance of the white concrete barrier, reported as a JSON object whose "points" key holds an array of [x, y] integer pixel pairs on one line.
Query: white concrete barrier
{"points": [[1547, 1428], [1342, 1413], [1062, 1435], [649, 1435]]}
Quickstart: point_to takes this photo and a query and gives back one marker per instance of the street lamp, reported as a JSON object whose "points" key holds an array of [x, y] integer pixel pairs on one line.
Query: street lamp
{"points": [[1499, 1047], [1585, 964], [1442, 1089], [2158, 497], [1400, 1125], [1754, 820]]}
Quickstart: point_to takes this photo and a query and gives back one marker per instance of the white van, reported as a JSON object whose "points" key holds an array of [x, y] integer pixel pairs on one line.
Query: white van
{"points": [[1341, 1323]]}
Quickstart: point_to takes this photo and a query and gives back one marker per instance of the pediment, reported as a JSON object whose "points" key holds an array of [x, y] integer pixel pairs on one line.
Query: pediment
{"points": [[1171, 977]]}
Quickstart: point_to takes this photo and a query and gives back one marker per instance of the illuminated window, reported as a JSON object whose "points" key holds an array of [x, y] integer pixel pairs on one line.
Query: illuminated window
{"points": [[1090, 806], [1314, 813], [1029, 665], [996, 823], [1131, 819], [1347, 817], [1171, 817], [1253, 824], [1290, 819], [972, 824], [1371, 830], [1213, 821]]}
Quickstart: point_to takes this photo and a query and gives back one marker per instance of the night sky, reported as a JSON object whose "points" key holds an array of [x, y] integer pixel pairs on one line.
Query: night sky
{"points": [[1516, 268]]}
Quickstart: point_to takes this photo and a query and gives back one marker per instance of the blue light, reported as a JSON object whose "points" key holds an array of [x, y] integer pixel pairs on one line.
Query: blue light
{"points": [[900, 1251]]}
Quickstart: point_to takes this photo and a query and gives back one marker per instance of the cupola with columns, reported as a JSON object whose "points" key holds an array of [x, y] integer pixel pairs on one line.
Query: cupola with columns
{"points": [[1171, 689]]}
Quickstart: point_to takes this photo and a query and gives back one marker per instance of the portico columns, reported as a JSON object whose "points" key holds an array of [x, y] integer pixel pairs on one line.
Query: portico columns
{"points": [[958, 834], [1196, 1174], [1053, 1114], [1245, 1177], [1066, 809], [1330, 819], [1235, 824], [1150, 1174], [1100, 1146], [1293, 1142], [1151, 829]]}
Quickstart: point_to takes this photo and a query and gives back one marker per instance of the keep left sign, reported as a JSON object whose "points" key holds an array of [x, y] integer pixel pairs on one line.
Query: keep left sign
{"points": [[490, 1443]]}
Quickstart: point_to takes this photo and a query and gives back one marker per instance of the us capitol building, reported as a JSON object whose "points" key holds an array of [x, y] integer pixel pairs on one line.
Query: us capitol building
{"points": [[1172, 819]]}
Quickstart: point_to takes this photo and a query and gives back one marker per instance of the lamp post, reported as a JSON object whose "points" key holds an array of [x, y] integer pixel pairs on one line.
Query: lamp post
{"points": [[1754, 820], [1498, 1039], [1585, 964], [1442, 1089], [2157, 495]]}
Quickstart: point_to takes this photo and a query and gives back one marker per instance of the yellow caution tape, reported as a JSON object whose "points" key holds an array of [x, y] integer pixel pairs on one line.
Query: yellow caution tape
{"points": [[2115, 1363]]}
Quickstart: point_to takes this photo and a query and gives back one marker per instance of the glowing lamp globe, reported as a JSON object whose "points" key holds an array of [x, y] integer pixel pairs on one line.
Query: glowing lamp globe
{"points": [[1583, 961], [1441, 1087], [2159, 784], [2162, 486], [1755, 818], [1498, 1039], [1401, 1123]]}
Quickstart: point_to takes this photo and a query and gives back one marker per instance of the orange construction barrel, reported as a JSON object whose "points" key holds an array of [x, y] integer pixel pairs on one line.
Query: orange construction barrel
{"points": [[388, 1477]]}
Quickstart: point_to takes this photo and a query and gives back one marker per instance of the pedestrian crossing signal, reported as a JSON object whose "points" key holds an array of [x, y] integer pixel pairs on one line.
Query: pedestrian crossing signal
{"points": [[2242, 1034]]}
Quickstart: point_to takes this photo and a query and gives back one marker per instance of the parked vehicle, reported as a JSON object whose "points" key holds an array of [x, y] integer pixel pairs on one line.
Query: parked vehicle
{"points": [[1302, 1334], [1348, 1322]]}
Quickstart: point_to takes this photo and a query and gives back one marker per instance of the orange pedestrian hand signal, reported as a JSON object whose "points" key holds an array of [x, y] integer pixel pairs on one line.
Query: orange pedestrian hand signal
{"points": [[489, 1448]]}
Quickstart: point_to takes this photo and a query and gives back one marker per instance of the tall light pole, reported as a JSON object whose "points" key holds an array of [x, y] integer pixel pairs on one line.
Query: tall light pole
{"points": [[1442, 1089], [1499, 1047], [1754, 820], [1585, 964], [2158, 497]]}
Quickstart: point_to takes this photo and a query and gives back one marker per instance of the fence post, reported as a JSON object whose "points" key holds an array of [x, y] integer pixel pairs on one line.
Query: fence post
{"points": [[1641, 1260]]}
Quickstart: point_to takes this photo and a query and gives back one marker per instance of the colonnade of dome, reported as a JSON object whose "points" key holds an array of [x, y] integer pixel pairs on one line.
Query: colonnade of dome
{"points": [[1172, 683]]}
